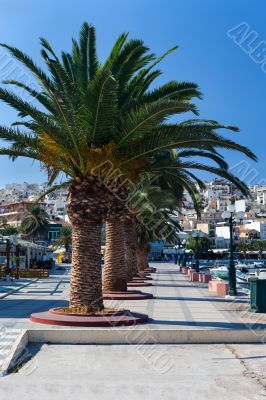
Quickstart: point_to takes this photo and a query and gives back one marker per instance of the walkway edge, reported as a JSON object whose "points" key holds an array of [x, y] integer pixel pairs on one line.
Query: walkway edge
{"points": [[123, 336], [19, 346], [145, 336]]}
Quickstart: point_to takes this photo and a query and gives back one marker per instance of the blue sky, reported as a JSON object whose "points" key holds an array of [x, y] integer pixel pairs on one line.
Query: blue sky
{"points": [[233, 84]]}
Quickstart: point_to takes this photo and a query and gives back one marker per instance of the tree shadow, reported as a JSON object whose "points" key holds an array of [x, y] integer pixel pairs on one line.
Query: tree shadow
{"points": [[24, 308], [207, 299], [211, 324]]}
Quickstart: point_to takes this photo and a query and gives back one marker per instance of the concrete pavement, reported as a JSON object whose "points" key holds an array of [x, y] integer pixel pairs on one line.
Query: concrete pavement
{"points": [[10, 287], [178, 304], [140, 371], [39, 295], [160, 372], [29, 295]]}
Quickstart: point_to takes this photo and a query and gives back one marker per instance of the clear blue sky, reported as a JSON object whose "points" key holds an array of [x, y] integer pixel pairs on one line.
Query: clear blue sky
{"points": [[232, 83]]}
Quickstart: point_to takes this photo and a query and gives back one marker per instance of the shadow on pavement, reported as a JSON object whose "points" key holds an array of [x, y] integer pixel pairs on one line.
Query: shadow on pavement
{"points": [[210, 324], [208, 299], [23, 308]]}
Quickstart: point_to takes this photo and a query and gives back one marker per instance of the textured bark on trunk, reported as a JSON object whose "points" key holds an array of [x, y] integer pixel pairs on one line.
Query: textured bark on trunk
{"points": [[87, 207], [86, 276], [130, 248], [114, 259], [142, 255]]}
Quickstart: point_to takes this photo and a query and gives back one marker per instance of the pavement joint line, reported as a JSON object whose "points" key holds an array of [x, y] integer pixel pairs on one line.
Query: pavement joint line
{"points": [[223, 313], [215, 305], [17, 289], [186, 311]]}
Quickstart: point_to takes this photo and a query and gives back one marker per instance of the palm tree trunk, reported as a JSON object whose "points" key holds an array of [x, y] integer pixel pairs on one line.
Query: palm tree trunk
{"points": [[87, 207], [142, 255], [86, 276], [130, 247], [115, 279]]}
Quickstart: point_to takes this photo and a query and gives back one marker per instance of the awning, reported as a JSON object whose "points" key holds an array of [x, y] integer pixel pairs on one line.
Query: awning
{"points": [[217, 251]]}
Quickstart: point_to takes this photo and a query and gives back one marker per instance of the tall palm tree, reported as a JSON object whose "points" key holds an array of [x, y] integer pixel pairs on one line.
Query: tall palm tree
{"points": [[146, 199], [130, 243], [87, 115], [172, 174], [164, 229], [65, 238], [153, 216], [35, 222]]}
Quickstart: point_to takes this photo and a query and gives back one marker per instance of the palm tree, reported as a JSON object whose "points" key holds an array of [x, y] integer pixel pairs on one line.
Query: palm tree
{"points": [[164, 229], [200, 245], [9, 230], [35, 222], [87, 116], [146, 197], [65, 238], [152, 208], [260, 245], [243, 247], [171, 176], [130, 243]]}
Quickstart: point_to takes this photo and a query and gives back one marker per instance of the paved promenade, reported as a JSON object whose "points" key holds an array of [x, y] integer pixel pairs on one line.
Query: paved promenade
{"points": [[170, 372], [178, 305], [181, 304]]}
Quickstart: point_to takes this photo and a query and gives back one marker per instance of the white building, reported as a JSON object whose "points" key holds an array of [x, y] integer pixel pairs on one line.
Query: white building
{"points": [[259, 226]]}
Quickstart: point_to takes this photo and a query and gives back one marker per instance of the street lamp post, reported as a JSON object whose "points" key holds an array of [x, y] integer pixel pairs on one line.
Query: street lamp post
{"points": [[184, 257], [230, 215], [196, 235], [177, 254]]}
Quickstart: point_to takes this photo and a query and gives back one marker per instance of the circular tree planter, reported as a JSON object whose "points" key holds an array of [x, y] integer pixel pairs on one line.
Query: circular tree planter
{"points": [[136, 284], [150, 269], [129, 295], [137, 279], [143, 278], [119, 318]]}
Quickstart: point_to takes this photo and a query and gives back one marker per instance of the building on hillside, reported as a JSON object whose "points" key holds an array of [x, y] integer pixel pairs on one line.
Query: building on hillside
{"points": [[222, 236], [16, 192], [259, 226], [53, 232], [248, 234], [209, 229], [13, 213], [260, 195]]}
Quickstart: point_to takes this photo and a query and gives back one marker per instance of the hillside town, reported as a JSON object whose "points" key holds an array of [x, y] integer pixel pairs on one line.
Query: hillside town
{"points": [[17, 198], [216, 198]]}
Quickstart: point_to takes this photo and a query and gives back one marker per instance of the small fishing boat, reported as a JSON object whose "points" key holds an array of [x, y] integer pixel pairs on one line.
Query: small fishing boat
{"points": [[242, 277], [220, 272], [262, 273]]}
